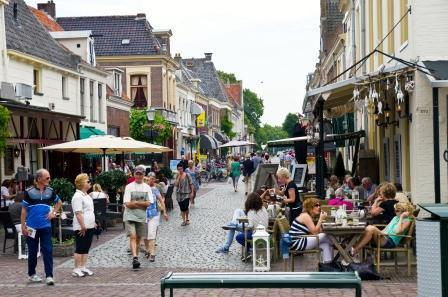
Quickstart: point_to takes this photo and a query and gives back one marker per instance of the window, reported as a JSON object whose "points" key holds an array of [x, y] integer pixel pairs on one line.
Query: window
{"points": [[9, 160], [37, 80], [64, 88], [92, 115], [100, 103], [112, 130], [33, 158], [139, 90], [404, 22], [386, 159], [398, 164], [82, 88], [117, 84]]}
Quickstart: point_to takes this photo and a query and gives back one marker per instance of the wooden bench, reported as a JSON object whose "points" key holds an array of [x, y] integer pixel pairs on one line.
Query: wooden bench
{"points": [[243, 280]]}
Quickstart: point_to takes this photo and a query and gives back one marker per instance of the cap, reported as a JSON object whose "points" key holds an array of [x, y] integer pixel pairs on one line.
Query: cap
{"points": [[151, 174], [140, 169]]}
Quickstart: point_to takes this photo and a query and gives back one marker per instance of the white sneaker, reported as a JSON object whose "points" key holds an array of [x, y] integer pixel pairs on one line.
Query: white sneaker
{"points": [[34, 278], [49, 281], [86, 271], [77, 272]]}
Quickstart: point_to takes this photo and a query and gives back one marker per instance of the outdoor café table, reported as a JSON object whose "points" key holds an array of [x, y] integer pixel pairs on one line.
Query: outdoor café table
{"points": [[339, 234]]}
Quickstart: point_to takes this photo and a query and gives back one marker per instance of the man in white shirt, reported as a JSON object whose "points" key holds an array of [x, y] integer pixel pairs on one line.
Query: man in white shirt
{"points": [[136, 200]]}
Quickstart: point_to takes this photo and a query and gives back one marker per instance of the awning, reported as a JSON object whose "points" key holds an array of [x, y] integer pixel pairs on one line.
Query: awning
{"points": [[196, 109], [208, 142], [437, 73], [221, 137], [86, 132]]}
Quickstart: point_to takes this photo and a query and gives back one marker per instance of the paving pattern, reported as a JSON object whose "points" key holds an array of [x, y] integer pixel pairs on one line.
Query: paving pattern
{"points": [[192, 246]]}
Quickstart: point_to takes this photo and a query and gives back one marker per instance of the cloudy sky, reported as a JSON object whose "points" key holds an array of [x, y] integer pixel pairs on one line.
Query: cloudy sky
{"points": [[270, 45]]}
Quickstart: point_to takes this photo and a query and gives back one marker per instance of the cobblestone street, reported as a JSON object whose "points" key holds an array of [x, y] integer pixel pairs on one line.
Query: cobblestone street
{"points": [[190, 248]]}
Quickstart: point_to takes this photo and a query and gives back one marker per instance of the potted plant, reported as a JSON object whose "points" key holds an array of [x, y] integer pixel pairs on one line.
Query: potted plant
{"points": [[65, 190], [112, 182]]}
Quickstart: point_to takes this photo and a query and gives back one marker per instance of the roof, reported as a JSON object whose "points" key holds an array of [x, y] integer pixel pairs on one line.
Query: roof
{"points": [[233, 92], [27, 35], [46, 20], [206, 72], [438, 69], [110, 31]]}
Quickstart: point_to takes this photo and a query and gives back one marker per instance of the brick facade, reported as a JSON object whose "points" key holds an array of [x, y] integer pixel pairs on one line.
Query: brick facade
{"points": [[156, 87], [118, 118]]}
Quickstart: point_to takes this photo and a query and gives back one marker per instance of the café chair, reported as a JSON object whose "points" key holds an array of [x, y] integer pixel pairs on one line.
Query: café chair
{"points": [[293, 253], [405, 246], [9, 228]]}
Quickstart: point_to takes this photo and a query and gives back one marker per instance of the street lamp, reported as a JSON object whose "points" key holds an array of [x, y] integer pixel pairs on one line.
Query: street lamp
{"points": [[151, 115]]}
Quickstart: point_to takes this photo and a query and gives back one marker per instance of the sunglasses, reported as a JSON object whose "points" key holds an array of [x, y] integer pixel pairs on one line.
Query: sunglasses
{"points": [[316, 205], [48, 178]]}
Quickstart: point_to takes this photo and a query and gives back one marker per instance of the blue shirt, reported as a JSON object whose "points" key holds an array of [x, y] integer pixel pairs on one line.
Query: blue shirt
{"points": [[152, 209], [39, 205]]}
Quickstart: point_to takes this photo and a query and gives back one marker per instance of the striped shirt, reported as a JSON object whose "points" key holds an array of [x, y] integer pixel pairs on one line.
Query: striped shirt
{"points": [[296, 233]]}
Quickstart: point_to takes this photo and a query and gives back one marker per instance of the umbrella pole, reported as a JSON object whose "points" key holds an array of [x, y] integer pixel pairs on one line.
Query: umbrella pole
{"points": [[104, 159]]}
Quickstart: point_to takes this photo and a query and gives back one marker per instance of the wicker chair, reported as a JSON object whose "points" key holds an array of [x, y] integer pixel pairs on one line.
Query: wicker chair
{"points": [[293, 253], [404, 247]]}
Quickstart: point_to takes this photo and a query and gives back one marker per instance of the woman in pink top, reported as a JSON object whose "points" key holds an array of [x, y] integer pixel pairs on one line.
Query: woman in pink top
{"points": [[340, 200]]}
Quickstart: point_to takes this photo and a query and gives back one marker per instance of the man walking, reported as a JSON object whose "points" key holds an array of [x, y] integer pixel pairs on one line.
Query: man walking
{"points": [[248, 169], [136, 200], [37, 213]]}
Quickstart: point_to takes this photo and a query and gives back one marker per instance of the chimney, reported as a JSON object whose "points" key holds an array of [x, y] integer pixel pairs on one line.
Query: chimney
{"points": [[208, 56], [49, 8], [177, 57], [140, 16]]}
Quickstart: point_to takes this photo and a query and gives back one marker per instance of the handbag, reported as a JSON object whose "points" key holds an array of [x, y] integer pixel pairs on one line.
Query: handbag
{"points": [[365, 271]]}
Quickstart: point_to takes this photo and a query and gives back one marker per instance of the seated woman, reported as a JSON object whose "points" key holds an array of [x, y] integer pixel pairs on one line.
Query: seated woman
{"points": [[383, 207], [304, 225], [256, 215], [340, 200], [399, 225]]}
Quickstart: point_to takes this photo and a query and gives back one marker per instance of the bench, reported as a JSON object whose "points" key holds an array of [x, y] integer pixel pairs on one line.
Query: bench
{"points": [[243, 280]]}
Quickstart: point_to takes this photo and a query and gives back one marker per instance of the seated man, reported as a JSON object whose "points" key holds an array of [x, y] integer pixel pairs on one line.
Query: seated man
{"points": [[15, 210]]}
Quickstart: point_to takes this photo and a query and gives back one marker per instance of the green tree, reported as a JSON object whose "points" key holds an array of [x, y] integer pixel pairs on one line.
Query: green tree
{"points": [[253, 110], [5, 116], [138, 124], [227, 125], [290, 123], [227, 77], [268, 132]]}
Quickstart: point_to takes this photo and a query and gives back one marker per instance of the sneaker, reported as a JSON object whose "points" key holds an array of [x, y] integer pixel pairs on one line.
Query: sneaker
{"points": [[222, 250], [135, 263], [152, 258], [229, 227], [87, 271], [34, 278], [77, 272], [49, 281]]}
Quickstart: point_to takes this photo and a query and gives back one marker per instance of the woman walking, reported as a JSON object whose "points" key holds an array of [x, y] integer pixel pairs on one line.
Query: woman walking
{"points": [[83, 224], [156, 206], [235, 172], [184, 192], [194, 174]]}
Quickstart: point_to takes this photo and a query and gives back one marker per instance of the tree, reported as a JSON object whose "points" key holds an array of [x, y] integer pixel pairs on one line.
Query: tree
{"points": [[268, 132], [339, 168], [253, 110], [138, 124], [290, 123], [227, 125], [5, 116], [227, 78]]}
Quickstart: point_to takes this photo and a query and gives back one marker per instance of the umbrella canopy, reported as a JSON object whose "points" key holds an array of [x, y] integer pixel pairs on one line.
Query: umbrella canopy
{"points": [[237, 143], [107, 144]]}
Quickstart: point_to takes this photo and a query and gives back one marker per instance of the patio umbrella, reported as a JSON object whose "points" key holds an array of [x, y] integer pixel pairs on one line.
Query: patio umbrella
{"points": [[235, 143], [107, 144]]}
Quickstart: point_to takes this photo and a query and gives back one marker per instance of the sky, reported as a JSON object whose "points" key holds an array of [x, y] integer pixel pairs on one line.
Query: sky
{"points": [[270, 45]]}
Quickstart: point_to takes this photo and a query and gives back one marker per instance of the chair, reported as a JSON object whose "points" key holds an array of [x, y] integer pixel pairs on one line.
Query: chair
{"points": [[404, 247], [316, 251], [100, 210], [10, 229]]}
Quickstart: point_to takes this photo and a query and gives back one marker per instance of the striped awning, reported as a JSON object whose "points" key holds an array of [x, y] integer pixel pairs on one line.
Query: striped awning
{"points": [[208, 142]]}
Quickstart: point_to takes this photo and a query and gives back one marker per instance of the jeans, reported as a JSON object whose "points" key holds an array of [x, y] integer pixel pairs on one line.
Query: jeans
{"points": [[240, 238], [235, 179], [238, 227], [248, 184], [46, 246]]}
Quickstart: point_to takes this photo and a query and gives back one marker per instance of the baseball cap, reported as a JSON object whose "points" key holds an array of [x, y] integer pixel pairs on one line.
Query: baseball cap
{"points": [[140, 169], [151, 174]]}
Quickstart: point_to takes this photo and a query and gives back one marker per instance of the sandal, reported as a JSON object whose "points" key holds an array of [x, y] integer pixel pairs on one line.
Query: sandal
{"points": [[152, 258], [147, 255], [183, 224]]}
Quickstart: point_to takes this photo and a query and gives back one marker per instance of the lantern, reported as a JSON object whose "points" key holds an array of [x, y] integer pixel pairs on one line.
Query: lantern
{"points": [[261, 250]]}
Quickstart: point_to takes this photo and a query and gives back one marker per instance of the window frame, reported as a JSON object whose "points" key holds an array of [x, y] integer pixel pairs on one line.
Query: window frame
{"points": [[64, 85]]}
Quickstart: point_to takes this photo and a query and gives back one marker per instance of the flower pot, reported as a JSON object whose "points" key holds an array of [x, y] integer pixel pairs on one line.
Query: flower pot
{"points": [[63, 249]]}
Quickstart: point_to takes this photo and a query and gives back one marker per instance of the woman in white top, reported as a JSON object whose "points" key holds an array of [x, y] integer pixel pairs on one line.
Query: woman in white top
{"points": [[98, 193], [83, 224]]}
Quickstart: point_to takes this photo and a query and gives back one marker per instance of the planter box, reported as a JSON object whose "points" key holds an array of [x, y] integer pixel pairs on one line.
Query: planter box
{"points": [[63, 250]]}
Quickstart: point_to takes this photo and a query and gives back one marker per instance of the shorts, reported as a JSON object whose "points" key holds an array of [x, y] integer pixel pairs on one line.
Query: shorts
{"points": [[83, 243], [151, 227], [184, 204], [137, 228], [390, 244]]}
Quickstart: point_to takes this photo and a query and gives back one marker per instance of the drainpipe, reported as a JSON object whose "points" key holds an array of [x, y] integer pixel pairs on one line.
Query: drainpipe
{"points": [[436, 142], [364, 65], [353, 34]]}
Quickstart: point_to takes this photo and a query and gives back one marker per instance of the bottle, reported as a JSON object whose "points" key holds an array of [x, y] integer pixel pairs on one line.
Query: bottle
{"points": [[333, 212], [343, 215], [355, 197]]}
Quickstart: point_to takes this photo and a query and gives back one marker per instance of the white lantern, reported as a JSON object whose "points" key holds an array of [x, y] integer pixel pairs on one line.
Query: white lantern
{"points": [[261, 250]]}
